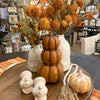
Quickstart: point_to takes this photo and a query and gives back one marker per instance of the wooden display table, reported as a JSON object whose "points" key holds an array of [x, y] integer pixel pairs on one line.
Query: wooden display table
{"points": [[10, 89]]}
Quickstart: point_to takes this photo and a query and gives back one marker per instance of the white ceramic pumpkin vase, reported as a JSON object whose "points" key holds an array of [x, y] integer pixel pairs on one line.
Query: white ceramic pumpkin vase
{"points": [[64, 47], [34, 58]]}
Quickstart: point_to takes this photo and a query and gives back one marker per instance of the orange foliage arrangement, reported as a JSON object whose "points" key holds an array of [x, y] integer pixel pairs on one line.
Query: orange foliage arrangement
{"points": [[80, 3], [57, 15], [90, 16]]}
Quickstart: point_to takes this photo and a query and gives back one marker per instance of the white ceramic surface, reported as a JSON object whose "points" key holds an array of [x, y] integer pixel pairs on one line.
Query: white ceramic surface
{"points": [[40, 90], [34, 58], [26, 82], [64, 47]]}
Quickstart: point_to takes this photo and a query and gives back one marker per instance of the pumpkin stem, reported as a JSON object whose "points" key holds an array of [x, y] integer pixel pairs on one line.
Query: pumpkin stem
{"points": [[80, 72], [50, 34]]}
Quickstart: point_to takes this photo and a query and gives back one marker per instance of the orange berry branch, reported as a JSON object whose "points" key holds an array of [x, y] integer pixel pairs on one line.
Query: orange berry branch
{"points": [[56, 15]]}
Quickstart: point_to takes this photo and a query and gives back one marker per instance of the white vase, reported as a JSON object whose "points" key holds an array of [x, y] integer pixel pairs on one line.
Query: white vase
{"points": [[34, 58], [64, 47]]}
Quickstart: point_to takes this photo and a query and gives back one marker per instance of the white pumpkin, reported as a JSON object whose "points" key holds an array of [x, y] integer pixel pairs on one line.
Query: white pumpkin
{"points": [[80, 82]]}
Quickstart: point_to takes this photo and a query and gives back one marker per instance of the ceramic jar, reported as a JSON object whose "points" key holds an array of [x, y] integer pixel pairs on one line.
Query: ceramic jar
{"points": [[34, 58], [64, 47]]}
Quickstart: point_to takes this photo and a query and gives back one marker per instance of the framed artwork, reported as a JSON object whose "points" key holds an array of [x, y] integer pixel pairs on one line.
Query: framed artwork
{"points": [[13, 19]]}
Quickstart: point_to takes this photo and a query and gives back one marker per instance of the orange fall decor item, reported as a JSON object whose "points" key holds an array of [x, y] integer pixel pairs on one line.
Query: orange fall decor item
{"points": [[51, 68], [52, 73], [28, 11], [50, 42], [79, 24], [43, 1], [57, 15], [73, 8], [90, 16], [58, 4], [67, 6], [50, 11], [64, 24], [35, 11], [43, 12], [80, 3], [55, 24], [44, 23], [68, 18], [51, 57], [74, 17]]}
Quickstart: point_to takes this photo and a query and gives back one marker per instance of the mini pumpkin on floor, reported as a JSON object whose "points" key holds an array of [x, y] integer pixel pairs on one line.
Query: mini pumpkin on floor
{"points": [[51, 68]]}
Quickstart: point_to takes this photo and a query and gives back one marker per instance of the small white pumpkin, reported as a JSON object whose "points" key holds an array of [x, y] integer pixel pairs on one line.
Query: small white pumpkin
{"points": [[80, 82]]}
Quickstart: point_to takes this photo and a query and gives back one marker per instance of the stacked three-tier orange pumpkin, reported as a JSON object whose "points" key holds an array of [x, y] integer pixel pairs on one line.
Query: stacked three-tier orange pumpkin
{"points": [[51, 68]]}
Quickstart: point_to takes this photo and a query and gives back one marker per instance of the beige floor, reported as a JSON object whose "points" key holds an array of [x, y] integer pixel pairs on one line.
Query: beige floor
{"points": [[76, 46]]}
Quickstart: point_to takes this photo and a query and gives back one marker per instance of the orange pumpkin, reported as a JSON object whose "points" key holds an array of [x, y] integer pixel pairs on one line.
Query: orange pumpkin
{"points": [[51, 57], [51, 69], [51, 73], [50, 42]]}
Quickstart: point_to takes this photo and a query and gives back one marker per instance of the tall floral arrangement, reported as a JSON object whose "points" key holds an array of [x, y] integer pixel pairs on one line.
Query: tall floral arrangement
{"points": [[56, 15]]}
